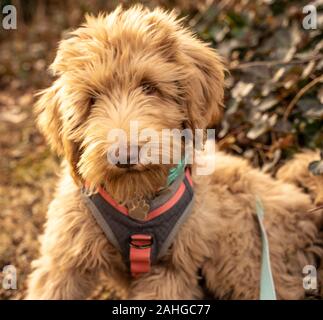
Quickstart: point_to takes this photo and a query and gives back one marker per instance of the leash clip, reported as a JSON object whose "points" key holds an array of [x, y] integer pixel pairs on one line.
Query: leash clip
{"points": [[141, 241]]}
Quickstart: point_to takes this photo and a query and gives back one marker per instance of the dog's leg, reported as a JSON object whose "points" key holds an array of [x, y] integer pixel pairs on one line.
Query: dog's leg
{"points": [[165, 284], [73, 251], [48, 281]]}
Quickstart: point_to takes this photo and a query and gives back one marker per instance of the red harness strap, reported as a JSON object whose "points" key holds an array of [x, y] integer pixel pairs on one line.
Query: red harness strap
{"points": [[140, 250]]}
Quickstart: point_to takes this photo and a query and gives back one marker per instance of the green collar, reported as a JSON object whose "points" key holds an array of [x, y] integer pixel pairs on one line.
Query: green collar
{"points": [[175, 172]]}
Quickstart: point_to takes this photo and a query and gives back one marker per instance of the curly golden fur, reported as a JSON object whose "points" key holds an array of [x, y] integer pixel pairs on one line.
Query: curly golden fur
{"points": [[101, 68], [296, 172]]}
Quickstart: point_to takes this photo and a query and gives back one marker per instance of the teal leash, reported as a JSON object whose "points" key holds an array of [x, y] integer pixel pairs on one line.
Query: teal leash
{"points": [[267, 285]]}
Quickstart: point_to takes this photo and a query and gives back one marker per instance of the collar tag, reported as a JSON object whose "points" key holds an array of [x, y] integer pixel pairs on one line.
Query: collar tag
{"points": [[138, 209]]}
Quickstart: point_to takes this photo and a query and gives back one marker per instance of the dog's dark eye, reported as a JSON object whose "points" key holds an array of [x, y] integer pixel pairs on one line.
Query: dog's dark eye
{"points": [[92, 101], [148, 88]]}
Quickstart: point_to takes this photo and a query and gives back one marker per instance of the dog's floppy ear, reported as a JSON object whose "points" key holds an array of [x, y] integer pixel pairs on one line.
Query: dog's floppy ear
{"points": [[48, 117], [49, 120], [205, 84]]}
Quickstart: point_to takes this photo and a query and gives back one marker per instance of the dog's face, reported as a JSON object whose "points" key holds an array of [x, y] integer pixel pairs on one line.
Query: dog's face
{"points": [[135, 65]]}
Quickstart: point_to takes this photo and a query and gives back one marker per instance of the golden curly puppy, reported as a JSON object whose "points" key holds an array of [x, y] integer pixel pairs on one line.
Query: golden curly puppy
{"points": [[145, 66]]}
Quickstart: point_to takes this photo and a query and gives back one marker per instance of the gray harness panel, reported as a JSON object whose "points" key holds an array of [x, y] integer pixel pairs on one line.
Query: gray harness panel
{"points": [[119, 227]]}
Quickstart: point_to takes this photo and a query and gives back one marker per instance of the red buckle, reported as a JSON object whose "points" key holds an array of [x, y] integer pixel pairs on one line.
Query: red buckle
{"points": [[140, 250]]}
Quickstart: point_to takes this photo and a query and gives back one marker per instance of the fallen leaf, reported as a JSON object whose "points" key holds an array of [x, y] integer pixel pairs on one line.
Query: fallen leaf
{"points": [[267, 103], [241, 89]]}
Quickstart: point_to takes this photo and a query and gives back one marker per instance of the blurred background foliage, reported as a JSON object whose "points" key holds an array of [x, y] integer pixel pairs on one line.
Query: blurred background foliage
{"points": [[274, 96]]}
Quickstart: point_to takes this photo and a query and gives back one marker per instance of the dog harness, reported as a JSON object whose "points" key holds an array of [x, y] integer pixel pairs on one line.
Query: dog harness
{"points": [[142, 243]]}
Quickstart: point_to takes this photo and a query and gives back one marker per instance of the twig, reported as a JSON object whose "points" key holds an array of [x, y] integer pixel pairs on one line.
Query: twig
{"points": [[274, 63], [300, 94]]}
